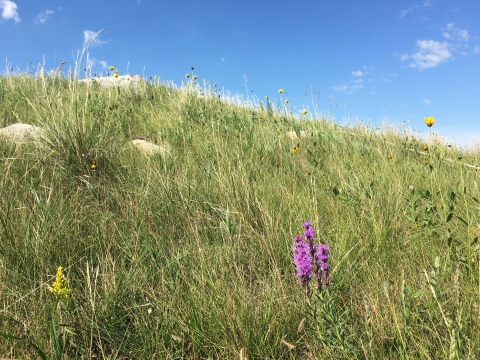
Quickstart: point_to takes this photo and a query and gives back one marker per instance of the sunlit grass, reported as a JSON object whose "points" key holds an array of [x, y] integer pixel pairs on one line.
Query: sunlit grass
{"points": [[188, 255]]}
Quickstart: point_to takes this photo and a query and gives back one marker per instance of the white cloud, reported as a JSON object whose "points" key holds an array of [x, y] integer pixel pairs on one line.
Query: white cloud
{"points": [[44, 16], [404, 57], [90, 63], [358, 73], [103, 64], [426, 101], [405, 12], [426, 3], [455, 33], [9, 10], [349, 89], [341, 87], [430, 53], [223, 60], [477, 49], [92, 38], [356, 87]]}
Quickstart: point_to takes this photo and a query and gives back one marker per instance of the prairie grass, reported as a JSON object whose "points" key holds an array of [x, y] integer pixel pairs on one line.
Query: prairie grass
{"points": [[188, 254]]}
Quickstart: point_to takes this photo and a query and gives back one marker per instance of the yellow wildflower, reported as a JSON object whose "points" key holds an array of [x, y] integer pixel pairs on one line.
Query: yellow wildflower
{"points": [[111, 68], [280, 91], [215, 84], [286, 101], [187, 75], [425, 147], [60, 287], [115, 75], [429, 121], [296, 148], [93, 166], [390, 156], [194, 77], [403, 124], [304, 111]]}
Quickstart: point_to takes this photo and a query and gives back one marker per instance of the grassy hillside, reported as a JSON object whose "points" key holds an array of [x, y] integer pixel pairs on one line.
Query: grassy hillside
{"points": [[188, 254]]}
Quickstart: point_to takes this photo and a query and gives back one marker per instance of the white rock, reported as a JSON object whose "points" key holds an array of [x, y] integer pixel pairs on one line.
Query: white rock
{"points": [[123, 80], [293, 134], [19, 132], [149, 148]]}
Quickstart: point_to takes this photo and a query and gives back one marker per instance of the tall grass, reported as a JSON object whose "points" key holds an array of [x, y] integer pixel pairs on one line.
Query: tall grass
{"points": [[188, 254]]}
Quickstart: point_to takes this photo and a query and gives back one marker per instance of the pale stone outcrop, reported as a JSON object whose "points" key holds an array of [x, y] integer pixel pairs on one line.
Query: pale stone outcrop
{"points": [[123, 80], [150, 148], [20, 132], [293, 134]]}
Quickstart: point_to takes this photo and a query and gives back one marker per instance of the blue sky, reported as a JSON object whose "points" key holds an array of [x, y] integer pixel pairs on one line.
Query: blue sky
{"points": [[371, 60]]}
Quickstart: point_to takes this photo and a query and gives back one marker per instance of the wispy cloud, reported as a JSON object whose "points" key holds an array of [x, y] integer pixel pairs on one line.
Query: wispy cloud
{"points": [[340, 87], [9, 10], [103, 64], [44, 16], [455, 33], [350, 89], [430, 53], [358, 73], [426, 3], [426, 101], [92, 38], [477, 49], [91, 61]]}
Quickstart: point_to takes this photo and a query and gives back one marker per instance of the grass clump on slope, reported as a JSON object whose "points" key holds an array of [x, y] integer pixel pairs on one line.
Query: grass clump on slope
{"points": [[188, 254]]}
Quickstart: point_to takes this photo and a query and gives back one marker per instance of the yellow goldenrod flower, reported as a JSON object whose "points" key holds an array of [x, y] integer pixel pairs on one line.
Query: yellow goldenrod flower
{"points": [[194, 77], [187, 75], [280, 91], [60, 287], [425, 147], [286, 101], [429, 121], [111, 68], [304, 111], [390, 156], [93, 166], [115, 75]]}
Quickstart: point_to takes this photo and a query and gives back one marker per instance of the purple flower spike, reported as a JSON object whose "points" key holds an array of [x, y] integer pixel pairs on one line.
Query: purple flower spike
{"points": [[306, 224], [302, 260], [310, 259], [321, 257]]}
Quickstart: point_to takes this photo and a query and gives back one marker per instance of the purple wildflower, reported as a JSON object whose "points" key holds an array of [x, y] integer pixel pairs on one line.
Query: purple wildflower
{"points": [[321, 259], [303, 260], [310, 259]]}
